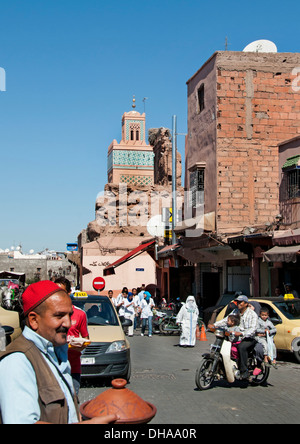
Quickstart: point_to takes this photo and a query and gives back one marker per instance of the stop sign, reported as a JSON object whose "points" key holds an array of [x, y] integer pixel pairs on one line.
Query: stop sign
{"points": [[99, 283]]}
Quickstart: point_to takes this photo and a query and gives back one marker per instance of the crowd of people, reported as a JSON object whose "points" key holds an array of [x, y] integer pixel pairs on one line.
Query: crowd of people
{"points": [[43, 374], [137, 306]]}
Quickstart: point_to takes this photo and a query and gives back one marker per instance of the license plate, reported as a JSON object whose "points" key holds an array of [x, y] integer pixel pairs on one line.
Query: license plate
{"points": [[87, 361]]}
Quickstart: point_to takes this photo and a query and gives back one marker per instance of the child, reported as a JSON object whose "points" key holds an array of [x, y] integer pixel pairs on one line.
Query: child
{"points": [[265, 333], [233, 323]]}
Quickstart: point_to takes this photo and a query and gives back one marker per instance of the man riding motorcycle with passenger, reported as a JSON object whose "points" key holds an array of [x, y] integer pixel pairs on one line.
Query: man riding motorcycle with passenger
{"points": [[248, 324]]}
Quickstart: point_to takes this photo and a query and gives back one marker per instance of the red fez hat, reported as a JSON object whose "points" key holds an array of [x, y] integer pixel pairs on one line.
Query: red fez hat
{"points": [[37, 293]]}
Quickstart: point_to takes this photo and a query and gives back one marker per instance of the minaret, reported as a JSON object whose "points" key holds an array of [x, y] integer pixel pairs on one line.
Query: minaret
{"points": [[132, 160]]}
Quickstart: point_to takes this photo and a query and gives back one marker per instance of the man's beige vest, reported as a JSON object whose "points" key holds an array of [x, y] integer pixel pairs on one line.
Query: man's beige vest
{"points": [[52, 401]]}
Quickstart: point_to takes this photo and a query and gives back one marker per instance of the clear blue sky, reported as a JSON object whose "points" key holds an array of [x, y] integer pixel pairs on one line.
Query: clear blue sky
{"points": [[72, 68]]}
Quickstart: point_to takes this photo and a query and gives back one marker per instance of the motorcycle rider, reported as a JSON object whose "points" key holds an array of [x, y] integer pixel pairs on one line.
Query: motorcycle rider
{"points": [[248, 324]]}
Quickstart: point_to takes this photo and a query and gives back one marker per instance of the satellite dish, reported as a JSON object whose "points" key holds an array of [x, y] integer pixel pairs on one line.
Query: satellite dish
{"points": [[156, 226], [261, 46], [31, 251]]}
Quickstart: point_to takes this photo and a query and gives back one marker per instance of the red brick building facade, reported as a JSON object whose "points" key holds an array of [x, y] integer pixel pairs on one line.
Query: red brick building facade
{"points": [[241, 107], [250, 106]]}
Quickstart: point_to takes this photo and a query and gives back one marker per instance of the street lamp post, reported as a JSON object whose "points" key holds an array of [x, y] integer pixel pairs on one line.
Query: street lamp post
{"points": [[174, 177]]}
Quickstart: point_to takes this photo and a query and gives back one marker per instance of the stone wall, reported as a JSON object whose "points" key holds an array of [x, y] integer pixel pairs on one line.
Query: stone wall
{"points": [[161, 141], [39, 269]]}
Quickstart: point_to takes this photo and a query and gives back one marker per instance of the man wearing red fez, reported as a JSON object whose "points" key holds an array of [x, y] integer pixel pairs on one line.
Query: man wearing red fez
{"points": [[35, 380]]}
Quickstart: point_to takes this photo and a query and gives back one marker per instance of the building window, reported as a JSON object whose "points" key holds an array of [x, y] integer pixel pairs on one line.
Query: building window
{"points": [[293, 183], [201, 98], [197, 187], [135, 130]]}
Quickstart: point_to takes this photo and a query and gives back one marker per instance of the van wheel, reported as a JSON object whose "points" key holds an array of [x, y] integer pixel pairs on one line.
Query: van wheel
{"points": [[297, 355], [128, 374]]}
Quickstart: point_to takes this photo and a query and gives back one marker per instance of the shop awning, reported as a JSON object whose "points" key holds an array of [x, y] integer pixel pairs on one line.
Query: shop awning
{"points": [[13, 275], [287, 237], [282, 254], [132, 254], [168, 249]]}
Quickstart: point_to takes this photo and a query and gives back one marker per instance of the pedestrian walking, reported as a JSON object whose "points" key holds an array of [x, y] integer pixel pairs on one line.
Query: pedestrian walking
{"points": [[147, 305], [137, 316], [142, 292], [122, 297], [129, 312], [188, 318]]}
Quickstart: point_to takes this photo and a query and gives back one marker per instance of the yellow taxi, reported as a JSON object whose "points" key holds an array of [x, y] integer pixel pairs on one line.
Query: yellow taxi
{"points": [[108, 354], [11, 319], [285, 315]]}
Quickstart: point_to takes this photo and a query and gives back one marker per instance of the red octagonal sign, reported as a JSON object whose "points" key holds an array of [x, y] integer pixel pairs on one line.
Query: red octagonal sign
{"points": [[99, 283]]}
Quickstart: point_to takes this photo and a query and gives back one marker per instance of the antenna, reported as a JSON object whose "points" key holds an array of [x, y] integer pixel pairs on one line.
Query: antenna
{"points": [[226, 43], [144, 100]]}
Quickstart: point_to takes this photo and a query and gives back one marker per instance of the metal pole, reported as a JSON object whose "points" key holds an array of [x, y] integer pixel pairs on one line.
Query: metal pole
{"points": [[174, 176]]}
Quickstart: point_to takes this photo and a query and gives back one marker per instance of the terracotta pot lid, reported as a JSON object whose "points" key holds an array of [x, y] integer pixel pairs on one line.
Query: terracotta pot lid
{"points": [[120, 401]]}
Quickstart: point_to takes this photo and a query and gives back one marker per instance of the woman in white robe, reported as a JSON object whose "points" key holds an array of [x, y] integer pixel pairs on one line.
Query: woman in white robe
{"points": [[188, 318]]}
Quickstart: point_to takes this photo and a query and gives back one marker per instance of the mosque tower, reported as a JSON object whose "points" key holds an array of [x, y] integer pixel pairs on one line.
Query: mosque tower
{"points": [[132, 160]]}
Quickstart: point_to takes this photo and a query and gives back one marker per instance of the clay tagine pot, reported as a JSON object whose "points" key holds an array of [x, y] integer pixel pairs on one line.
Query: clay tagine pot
{"points": [[120, 401]]}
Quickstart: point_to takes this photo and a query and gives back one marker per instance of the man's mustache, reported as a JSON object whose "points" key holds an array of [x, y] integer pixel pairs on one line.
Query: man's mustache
{"points": [[62, 330]]}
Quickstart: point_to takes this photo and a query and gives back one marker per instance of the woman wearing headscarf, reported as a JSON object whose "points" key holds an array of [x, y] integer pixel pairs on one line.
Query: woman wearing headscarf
{"points": [[146, 306], [188, 318]]}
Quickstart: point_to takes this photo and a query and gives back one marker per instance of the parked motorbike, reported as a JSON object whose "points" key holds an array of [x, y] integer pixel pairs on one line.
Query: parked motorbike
{"points": [[167, 325], [157, 317], [218, 364], [9, 299]]}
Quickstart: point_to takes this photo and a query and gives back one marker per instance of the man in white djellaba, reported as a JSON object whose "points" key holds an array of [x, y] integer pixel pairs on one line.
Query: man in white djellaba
{"points": [[188, 318]]}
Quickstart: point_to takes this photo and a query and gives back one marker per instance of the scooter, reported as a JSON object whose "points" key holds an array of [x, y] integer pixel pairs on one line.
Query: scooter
{"points": [[158, 316], [8, 299], [167, 325], [218, 364]]}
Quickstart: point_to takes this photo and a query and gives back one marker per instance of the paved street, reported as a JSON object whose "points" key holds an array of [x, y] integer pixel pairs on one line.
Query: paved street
{"points": [[164, 374]]}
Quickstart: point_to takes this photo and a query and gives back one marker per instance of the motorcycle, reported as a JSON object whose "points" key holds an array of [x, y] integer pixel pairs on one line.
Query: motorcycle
{"points": [[9, 299], [168, 325], [157, 317], [218, 364]]}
